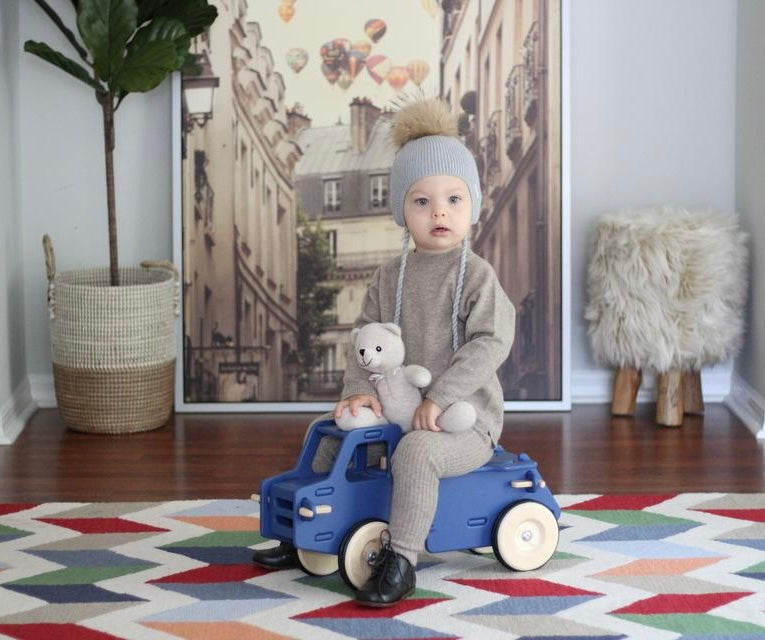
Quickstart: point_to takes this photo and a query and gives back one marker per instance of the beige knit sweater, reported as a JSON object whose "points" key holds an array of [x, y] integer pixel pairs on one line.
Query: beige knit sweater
{"points": [[486, 330]]}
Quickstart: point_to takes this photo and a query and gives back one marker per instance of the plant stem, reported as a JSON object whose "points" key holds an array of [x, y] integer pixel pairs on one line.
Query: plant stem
{"points": [[107, 106]]}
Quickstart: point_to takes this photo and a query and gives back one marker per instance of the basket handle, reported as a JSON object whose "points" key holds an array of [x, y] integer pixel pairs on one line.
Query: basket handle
{"points": [[50, 257], [167, 264], [160, 264], [50, 270]]}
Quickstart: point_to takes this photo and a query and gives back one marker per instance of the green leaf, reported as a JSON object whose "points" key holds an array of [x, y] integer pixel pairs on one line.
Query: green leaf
{"points": [[196, 15], [62, 27], [163, 29], [105, 27], [42, 50], [149, 9], [191, 66], [146, 67]]}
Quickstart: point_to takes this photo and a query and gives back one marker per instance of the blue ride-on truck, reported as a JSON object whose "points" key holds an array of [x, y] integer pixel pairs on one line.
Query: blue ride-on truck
{"points": [[335, 519]]}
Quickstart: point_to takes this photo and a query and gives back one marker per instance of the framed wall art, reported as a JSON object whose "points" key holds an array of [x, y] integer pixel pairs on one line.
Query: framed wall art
{"points": [[281, 210]]}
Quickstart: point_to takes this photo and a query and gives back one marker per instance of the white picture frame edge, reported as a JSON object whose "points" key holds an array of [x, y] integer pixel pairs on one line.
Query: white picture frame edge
{"points": [[514, 406]]}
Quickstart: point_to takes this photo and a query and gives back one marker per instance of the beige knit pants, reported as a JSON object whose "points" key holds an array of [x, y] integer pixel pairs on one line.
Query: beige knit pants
{"points": [[421, 459]]}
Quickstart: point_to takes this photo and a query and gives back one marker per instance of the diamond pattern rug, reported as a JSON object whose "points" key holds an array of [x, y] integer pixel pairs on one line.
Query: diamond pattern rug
{"points": [[660, 567]]}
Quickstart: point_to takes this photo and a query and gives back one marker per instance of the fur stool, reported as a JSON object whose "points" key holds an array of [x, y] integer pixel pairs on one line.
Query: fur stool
{"points": [[666, 292]]}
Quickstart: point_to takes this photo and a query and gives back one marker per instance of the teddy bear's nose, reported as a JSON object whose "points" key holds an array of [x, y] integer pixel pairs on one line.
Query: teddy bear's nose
{"points": [[361, 352]]}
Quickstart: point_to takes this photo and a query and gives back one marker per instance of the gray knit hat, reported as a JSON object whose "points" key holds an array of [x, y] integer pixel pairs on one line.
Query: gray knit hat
{"points": [[425, 134], [432, 156]]}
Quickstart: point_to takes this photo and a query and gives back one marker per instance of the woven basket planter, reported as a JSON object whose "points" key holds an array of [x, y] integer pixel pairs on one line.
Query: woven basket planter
{"points": [[113, 347]]}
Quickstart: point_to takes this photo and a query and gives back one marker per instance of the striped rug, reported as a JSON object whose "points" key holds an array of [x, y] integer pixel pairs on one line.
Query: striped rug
{"points": [[649, 566]]}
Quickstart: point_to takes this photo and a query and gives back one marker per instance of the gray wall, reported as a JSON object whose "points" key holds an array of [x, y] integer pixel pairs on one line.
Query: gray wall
{"points": [[750, 179], [652, 117], [63, 188], [13, 366]]}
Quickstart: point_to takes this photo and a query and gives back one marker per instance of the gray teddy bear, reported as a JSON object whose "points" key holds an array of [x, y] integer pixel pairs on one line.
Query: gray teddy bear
{"points": [[379, 349]]}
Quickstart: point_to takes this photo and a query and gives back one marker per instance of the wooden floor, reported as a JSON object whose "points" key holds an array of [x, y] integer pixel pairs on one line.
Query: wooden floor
{"points": [[227, 456]]}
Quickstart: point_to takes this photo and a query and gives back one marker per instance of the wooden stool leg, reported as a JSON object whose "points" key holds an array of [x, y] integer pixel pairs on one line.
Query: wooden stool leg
{"points": [[669, 398], [693, 399], [626, 385]]}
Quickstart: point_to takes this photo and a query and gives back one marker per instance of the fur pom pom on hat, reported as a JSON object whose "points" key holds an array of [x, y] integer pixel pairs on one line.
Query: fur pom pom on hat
{"points": [[425, 134], [423, 118]]}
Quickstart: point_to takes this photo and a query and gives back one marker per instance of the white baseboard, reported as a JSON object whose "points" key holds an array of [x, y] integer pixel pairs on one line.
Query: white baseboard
{"points": [[15, 413], [748, 405], [588, 386], [596, 386], [43, 391]]}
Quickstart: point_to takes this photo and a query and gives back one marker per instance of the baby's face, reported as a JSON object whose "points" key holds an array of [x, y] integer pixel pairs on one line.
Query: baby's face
{"points": [[437, 212]]}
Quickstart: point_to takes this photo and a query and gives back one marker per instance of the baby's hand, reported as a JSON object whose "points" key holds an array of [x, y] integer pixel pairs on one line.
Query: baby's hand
{"points": [[355, 402], [425, 416]]}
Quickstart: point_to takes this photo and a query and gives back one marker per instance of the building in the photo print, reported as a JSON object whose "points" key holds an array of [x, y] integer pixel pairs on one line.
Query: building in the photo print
{"points": [[286, 211], [500, 72], [239, 221], [342, 182]]}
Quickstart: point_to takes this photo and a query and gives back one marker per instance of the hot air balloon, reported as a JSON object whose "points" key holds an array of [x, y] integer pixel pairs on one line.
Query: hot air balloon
{"points": [[330, 74], [378, 67], [297, 59], [334, 53], [431, 6], [286, 10], [397, 78], [356, 62], [362, 46], [375, 29], [344, 80], [418, 71], [342, 43]]}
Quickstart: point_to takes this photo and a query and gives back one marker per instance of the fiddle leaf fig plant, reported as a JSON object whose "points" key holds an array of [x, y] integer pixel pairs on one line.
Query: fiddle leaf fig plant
{"points": [[124, 46]]}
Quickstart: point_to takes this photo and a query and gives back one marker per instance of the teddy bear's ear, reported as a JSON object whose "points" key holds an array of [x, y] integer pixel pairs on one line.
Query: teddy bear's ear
{"points": [[354, 332], [393, 328]]}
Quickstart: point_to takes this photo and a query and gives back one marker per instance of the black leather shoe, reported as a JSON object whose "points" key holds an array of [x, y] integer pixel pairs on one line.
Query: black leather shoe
{"points": [[282, 556], [391, 581]]}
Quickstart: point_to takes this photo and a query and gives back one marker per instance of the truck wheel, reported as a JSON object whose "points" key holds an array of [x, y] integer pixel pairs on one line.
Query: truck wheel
{"points": [[525, 536], [481, 551], [317, 564], [359, 550]]}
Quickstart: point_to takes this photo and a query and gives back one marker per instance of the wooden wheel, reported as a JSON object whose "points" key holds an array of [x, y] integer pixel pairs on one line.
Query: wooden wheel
{"points": [[482, 551], [525, 536], [317, 564], [359, 551]]}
